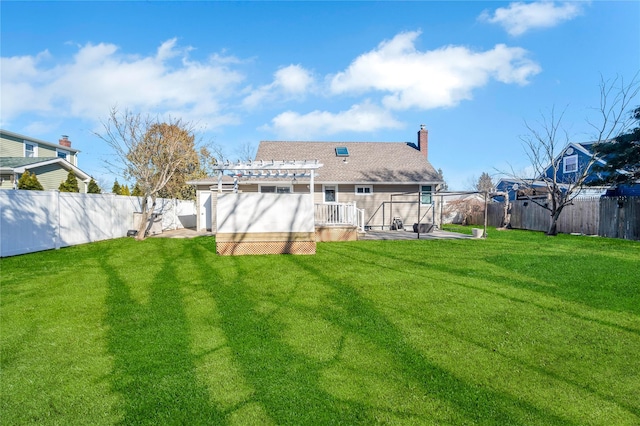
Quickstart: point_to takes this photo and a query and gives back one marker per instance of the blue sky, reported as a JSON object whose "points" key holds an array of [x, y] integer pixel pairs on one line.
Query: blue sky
{"points": [[243, 72]]}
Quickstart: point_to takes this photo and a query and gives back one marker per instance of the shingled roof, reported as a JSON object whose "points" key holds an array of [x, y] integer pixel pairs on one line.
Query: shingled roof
{"points": [[367, 162], [14, 162], [19, 164]]}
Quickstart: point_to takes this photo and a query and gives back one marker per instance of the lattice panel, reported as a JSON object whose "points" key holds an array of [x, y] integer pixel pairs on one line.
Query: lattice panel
{"points": [[265, 247]]}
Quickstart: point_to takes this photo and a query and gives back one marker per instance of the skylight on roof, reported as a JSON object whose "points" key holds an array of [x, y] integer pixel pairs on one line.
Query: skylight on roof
{"points": [[342, 151]]}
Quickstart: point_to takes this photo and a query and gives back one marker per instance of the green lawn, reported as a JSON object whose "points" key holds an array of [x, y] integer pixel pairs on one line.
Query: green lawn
{"points": [[517, 329]]}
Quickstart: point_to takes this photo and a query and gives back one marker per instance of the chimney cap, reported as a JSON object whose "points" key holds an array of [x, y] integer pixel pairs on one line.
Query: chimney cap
{"points": [[423, 126], [65, 137]]}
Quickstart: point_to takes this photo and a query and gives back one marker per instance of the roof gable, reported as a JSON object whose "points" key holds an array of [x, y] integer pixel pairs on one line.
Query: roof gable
{"points": [[584, 152], [20, 164]]}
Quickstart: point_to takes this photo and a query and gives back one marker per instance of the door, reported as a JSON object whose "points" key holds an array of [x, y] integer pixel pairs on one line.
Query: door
{"points": [[204, 210]]}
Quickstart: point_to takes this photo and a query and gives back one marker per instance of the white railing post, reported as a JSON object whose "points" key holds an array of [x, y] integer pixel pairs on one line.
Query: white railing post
{"points": [[339, 214], [354, 214]]}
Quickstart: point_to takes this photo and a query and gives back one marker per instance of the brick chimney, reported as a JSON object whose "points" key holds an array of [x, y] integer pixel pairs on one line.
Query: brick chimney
{"points": [[423, 141], [64, 141]]}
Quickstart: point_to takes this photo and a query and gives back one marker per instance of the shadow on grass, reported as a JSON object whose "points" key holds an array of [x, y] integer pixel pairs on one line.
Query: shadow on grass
{"points": [[607, 296], [597, 280], [472, 402], [464, 272], [285, 383], [154, 371], [292, 388]]}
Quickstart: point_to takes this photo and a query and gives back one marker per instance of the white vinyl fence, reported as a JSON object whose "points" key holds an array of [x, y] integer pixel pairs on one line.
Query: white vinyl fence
{"points": [[32, 221]]}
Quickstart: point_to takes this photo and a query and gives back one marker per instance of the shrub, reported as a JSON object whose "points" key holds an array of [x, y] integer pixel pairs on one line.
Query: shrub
{"points": [[71, 184], [29, 181], [93, 187]]}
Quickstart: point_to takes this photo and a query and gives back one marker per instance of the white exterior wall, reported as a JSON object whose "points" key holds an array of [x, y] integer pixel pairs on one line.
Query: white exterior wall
{"points": [[32, 221], [372, 203]]}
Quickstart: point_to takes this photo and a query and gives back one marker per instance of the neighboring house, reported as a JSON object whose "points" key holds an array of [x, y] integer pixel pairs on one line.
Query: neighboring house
{"points": [[571, 162], [50, 162], [386, 179]]}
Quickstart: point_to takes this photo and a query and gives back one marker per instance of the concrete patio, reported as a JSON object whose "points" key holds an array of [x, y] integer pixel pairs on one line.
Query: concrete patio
{"points": [[407, 235]]}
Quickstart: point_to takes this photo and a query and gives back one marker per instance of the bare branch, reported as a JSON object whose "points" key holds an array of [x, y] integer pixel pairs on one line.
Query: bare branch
{"points": [[149, 152], [553, 185]]}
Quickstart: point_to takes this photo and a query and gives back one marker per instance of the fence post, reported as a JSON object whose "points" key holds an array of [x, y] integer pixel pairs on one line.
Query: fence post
{"points": [[175, 214], [57, 243], [111, 201]]}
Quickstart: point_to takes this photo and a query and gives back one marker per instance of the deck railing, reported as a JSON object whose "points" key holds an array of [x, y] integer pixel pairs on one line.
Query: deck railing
{"points": [[339, 214]]}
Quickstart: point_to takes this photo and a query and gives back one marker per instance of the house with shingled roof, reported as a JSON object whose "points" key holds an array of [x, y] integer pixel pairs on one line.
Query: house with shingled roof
{"points": [[50, 162], [384, 180]]}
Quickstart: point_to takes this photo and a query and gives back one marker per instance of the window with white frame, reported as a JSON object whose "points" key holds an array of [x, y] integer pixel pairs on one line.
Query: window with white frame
{"points": [[570, 164], [30, 149], [271, 189], [364, 189], [66, 155], [425, 194]]}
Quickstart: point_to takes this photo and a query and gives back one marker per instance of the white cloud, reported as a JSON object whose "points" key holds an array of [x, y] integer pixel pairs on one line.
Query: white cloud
{"points": [[431, 79], [365, 117], [291, 82], [518, 18], [99, 77]]}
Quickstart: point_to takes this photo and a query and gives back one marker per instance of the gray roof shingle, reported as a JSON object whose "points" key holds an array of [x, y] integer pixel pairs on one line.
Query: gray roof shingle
{"points": [[14, 162], [368, 162]]}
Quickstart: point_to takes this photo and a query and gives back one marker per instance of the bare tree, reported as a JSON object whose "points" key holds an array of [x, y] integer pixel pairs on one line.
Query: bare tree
{"points": [[552, 189], [246, 151], [148, 152]]}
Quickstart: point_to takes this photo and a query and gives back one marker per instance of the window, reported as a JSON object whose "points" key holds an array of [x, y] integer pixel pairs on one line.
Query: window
{"points": [[330, 194], [266, 189], [30, 149], [364, 189], [570, 164], [425, 194], [63, 154], [342, 151]]}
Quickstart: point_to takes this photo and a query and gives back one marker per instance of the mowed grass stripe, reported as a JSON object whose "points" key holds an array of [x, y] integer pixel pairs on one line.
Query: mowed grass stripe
{"points": [[519, 328]]}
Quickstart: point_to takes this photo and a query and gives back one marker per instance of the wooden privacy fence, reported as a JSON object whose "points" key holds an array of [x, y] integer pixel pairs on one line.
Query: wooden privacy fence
{"points": [[615, 217], [620, 217]]}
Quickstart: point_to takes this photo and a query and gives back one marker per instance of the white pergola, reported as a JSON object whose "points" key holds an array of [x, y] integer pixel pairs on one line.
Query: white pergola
{"points": [[270, 169]]}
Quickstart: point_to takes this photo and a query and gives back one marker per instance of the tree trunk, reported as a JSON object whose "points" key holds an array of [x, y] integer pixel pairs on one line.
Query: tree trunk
{"points": [[144, 218], [553, 226], [506, 220]]}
